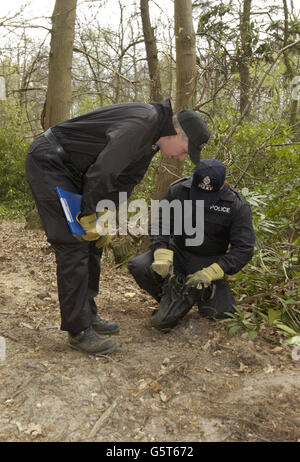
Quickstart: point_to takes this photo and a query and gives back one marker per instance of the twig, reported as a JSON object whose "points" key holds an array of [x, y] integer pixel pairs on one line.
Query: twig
{"points": [[10, 337], [199, 105], [158, 379], [209, 116], [102, 387], [169, 171], [253, 297], [282, 144], [104, 65], [21, 387], [257, 150], [109, 358], [103, 418]]}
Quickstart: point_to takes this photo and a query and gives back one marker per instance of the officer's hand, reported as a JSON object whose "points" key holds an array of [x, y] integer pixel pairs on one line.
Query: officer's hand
{"points": [[88, 224], [96, 225], [163, 262], [205, 276], [104, 241]]}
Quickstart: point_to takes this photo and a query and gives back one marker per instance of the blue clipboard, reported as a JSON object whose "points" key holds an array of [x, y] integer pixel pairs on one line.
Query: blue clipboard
{"points": [[71, 205]]}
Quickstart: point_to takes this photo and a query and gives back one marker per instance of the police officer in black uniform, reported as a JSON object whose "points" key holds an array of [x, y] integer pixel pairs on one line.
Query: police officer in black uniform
{"points": [[226, 248], [98, 155]]}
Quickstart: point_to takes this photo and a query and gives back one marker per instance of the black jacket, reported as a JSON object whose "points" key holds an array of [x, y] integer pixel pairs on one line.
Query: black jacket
{"points": [[112, 147], [228, 232]]}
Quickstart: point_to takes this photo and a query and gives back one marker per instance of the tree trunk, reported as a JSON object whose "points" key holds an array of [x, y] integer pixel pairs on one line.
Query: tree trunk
{"points": [[245, 55], [185, 55], [290, 72], [171, 169], [151, 50], [58, 100]]}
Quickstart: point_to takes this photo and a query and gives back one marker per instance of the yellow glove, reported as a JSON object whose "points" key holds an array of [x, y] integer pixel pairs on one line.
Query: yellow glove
{"points": [[97, 229], [163, 262], [89, 223], [104, 241], [206, 276]]}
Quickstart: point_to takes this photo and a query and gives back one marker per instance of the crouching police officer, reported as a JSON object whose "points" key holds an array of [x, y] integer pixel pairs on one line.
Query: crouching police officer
{"points": [[226, 248]]}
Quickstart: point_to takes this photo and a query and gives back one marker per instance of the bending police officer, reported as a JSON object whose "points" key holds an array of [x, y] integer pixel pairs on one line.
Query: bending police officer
{"points": [[98, 155]]}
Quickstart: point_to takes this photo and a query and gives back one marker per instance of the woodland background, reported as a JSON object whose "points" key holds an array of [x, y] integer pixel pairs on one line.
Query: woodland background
{"points": [[235, 61]]}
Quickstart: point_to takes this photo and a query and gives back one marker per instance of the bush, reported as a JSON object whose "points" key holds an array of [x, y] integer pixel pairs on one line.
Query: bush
{"points": [[270, 283], [15, 195]]}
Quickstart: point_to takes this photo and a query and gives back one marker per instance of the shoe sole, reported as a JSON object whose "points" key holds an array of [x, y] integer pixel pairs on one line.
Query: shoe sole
{"points": [[97, 353]]}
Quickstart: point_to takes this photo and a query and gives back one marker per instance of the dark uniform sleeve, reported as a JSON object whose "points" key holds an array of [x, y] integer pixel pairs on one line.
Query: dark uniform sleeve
{"points": [[121, 164], [242, 240]]}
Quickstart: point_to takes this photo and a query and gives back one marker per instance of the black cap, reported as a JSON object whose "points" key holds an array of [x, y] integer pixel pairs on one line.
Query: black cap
{"points": [[196, 130], [208, 178]]}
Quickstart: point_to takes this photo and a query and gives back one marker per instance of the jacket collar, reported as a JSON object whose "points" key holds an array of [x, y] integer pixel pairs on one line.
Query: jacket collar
{"points": [[165, 112]]}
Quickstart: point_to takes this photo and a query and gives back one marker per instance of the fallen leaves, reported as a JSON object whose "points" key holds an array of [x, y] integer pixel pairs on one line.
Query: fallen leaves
{"points": [[130, 294], [31, 429], [243, 367], [269, 369], [164, 398]]}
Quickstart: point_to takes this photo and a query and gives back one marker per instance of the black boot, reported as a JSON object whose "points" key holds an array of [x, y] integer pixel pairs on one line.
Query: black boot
{"points": [[88, 341], [104, 327]]}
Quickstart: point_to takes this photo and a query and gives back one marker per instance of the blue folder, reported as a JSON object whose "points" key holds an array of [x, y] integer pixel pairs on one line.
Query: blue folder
{"points": [[71, 205]]}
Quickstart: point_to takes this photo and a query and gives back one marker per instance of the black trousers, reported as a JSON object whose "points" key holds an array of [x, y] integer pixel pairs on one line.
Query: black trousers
{"points": [[78, 263], [185, 263]]}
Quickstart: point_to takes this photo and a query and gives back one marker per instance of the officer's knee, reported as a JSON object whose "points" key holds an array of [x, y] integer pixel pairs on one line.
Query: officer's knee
{"points": [[140, 265], [132, 267]]}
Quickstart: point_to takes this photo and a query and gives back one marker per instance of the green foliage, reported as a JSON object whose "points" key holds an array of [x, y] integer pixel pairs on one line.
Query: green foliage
{"points": [[14, 191], [145, 189], [267, 174], [270, 283]]}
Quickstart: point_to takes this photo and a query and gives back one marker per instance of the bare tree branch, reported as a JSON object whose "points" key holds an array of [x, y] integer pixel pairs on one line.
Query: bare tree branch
{"points": [[257, 150], [246, 110], [77, 50], [198, 105]]}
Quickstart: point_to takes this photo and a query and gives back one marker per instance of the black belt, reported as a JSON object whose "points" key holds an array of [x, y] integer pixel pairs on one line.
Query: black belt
{"points": [[60, 150]]}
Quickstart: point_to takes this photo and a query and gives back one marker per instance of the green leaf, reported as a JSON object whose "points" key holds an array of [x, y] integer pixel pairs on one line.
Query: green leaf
{"points": [[252, 334], [233, 330], [285, 328], [273, 315], [295, 340], [297, 241]]}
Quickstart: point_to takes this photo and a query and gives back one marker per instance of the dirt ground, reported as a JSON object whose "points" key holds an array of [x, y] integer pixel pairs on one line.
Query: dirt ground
{"points": [[193, 384]]}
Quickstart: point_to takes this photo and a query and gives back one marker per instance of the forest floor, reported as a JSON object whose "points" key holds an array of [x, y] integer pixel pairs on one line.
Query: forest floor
{"points": [[192, 384]]}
